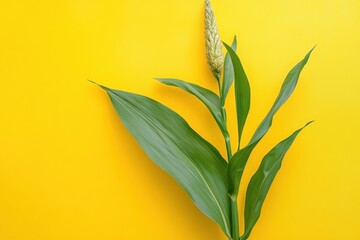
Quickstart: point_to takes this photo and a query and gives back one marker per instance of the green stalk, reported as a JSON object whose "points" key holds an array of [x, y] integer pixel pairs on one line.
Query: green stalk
{"points": [[234, 219], [233, 206], [223, 113], [226, 135]]}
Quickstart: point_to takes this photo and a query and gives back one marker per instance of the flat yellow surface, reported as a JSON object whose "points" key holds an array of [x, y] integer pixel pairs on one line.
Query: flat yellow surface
{"points": [[70, 170]]}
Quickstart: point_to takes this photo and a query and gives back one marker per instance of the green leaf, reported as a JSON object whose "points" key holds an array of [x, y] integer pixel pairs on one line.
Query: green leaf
{"points": [[286, 90], [236, 168], [261, 181], [238, 161], [242, 91], [175, 147], [228, 73], [209, 98]]}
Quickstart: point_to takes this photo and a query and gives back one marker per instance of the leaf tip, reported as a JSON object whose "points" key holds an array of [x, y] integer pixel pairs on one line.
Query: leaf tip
{"points": [[224, 43], [103, 87], [309, 53], [92, 81], [235, 39], [228, 48], [309, 123]]}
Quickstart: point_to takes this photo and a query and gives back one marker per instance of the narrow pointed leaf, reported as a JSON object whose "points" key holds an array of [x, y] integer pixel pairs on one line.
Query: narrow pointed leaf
{"points": [[286, 90], [242, 91], [261, 181], [238, 161], [236, 167], [209, 98], [228, 73], [175, 147]]}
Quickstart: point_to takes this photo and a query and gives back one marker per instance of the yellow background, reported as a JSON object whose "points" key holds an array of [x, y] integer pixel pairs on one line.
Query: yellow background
{"points": [[70, 170]]}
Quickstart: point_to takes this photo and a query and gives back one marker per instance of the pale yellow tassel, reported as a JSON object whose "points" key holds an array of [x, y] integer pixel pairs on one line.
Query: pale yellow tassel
{"points": [[214, 54]]}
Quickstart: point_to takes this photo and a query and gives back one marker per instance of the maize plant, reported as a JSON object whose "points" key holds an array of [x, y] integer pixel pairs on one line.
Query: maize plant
{"points": [[211, 180]]}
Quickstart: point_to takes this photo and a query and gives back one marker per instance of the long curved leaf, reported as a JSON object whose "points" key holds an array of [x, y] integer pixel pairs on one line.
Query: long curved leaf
{"points": [[286, 90], [175, 147], [238, 161], [242, 91], [228, 73], [209, 98], [261, 181]]}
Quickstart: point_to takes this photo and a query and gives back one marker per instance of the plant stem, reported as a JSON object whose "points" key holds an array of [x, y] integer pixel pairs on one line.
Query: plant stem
{"points": [[223, 113], [233, 205], [227, 137], [234, 219]]}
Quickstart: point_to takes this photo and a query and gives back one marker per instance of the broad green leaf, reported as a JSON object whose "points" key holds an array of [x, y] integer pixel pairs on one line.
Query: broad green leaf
{"points": [[242, 91], [261, 181], [228, 73], [238, 161], [209, 98], [175, 147]]}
